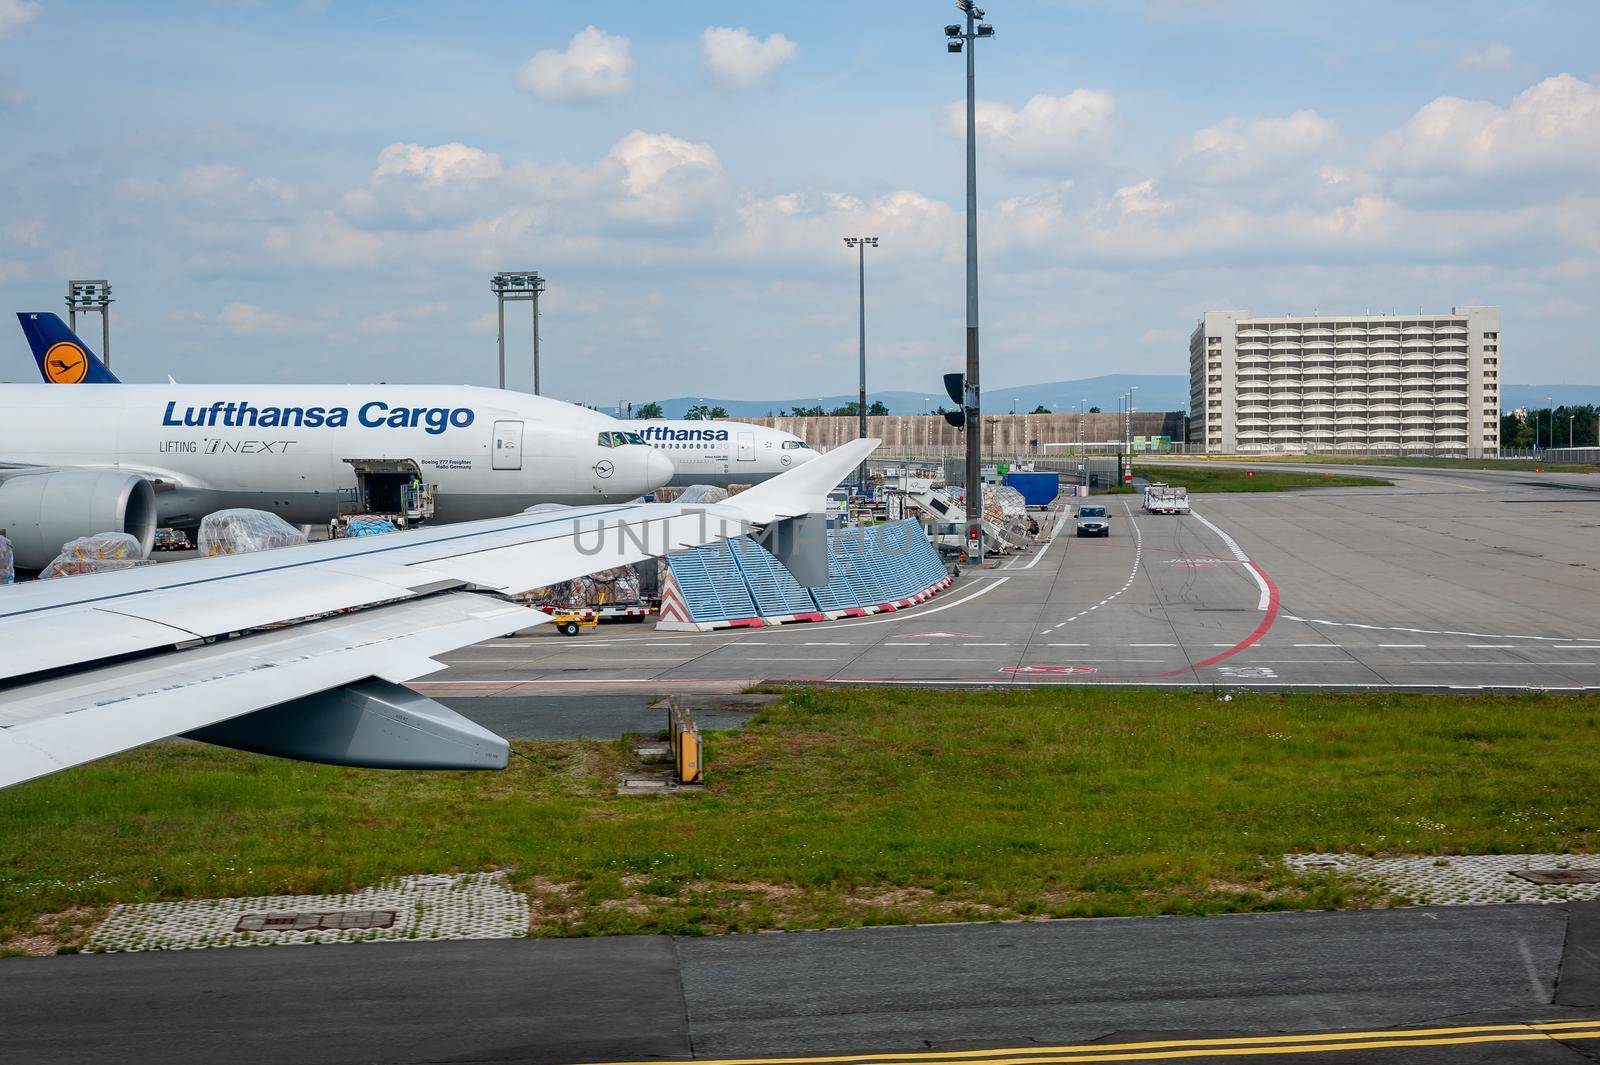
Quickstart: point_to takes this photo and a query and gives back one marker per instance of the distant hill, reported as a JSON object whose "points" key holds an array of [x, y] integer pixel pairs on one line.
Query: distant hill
{"points": [[1533, 396], [1157, 392]]}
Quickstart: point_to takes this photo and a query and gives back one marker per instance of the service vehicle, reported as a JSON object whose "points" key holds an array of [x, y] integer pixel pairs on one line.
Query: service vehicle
{"points": [[1094, 520], [572, 622], [1166, 499], [171, 540]]}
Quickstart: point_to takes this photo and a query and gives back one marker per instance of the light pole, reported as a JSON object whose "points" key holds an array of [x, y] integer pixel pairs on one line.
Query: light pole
{"points": [[957, 37], [860, 244]]}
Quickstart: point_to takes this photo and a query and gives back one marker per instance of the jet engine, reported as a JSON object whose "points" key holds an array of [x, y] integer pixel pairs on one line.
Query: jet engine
{"points": [[41, 511]]}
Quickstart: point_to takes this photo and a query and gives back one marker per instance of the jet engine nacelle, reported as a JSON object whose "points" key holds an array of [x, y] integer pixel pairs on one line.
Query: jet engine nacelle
{"points": [[41, 511]]}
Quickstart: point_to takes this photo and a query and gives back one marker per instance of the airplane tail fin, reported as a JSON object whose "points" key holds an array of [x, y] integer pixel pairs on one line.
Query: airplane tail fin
{"points": [[63, 359]]}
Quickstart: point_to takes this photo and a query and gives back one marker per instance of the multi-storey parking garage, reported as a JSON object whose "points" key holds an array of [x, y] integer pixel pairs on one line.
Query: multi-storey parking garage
{"points": [[1386, 383]]}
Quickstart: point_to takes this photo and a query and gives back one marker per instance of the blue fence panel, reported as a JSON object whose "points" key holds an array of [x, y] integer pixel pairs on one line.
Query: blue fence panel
{"points": [[858, 557], [713, 586], [840, 594], [774, 589]]}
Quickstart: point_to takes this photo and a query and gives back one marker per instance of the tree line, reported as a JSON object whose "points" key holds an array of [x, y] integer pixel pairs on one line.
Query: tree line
{"points": [[1576, 425]]}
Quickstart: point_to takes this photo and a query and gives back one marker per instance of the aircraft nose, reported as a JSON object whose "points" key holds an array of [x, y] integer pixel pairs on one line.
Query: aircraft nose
{"points": [[658, 469]]}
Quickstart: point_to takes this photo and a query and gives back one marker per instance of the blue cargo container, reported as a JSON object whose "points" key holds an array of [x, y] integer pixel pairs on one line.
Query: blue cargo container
{"points": [[1038, 489]]}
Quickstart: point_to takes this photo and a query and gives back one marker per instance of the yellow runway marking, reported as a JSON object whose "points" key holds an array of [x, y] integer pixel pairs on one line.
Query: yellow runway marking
{"points": [[1237, 1046]]}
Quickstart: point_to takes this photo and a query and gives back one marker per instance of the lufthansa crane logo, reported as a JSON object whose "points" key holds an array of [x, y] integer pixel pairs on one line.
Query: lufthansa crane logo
{"points": [[603, 468], [65, 363]]}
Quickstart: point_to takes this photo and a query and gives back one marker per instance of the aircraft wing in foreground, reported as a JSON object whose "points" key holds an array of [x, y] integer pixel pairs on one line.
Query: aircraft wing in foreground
{"points": [[302, 652]]}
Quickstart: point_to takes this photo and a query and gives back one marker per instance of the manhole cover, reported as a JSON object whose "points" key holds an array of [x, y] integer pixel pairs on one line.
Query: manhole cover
{"points": [[330, 920], [1558, 876]]}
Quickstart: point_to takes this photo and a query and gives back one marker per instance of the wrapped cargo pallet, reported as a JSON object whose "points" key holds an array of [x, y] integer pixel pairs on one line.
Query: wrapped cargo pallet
{"points": [[8, 558], [702, 494], [241, 531], [104, 552], [369, 527]]}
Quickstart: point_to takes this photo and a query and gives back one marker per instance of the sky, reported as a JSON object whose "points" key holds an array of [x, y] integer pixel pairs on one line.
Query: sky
{"points": [[299, 192]]}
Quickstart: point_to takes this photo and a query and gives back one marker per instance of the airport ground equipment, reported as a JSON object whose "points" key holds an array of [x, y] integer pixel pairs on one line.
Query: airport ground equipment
{"points": [[739, 584], [172, 540], [304, 653], [572, 622], [688, 750], [1166, 499], [1039, 489], [941, 514]]}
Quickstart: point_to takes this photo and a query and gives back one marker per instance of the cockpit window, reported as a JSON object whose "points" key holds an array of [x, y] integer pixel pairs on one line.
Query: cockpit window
{"points": [[612, 439], [634, 438], [794, 445]]}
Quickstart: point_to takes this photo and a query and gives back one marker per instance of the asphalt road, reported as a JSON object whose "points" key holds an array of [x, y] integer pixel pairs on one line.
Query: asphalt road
{"points": [[906, 992], [1449, 579]]}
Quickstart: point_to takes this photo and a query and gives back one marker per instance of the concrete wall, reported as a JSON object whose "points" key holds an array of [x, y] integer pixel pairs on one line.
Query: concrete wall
{"points": [[1003, 433]]}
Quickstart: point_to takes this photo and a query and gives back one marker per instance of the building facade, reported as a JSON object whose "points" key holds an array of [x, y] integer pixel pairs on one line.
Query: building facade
{"points": [[1381, 383], [1003, 434]]}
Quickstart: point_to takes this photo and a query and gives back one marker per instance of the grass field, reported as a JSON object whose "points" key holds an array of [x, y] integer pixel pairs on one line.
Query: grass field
{"points": [[1525, 465], [1225, 479], [845, 807]]}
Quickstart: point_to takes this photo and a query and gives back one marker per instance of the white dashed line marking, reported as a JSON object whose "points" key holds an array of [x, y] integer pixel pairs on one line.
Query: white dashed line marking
{"points": [[1443, 632], [1402, 645]]}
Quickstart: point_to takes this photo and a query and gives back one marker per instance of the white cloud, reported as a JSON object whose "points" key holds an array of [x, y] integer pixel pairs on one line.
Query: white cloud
{"points": [[15, 14], [399, 321], [1551, 127], [737, 59], [1236, 149], [325, 241], [596, 64], [1490, 59], [664, 180], [800, 228], [1048, 133], [247, 318], [416, 185], [436, 167]]}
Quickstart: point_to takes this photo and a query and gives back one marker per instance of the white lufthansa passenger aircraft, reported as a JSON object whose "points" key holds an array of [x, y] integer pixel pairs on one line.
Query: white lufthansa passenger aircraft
{"points": [[723, 453], [302, 652], [76, 461]]}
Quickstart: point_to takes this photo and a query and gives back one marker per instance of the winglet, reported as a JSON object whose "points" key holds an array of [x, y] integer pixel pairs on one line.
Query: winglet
{"points": [[63, 359], [804, 489]]}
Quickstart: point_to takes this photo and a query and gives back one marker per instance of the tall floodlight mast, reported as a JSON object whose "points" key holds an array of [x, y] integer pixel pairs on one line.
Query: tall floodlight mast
{"points": [[957, 38], [861, 244]]}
